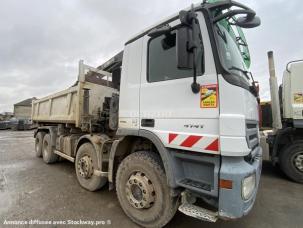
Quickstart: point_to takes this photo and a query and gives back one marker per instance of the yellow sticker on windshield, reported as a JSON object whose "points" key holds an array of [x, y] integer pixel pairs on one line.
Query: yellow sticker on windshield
{"points": [[209, 96]]}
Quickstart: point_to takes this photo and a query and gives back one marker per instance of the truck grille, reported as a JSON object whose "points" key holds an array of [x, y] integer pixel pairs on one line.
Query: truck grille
{"points": [[252, 134]]}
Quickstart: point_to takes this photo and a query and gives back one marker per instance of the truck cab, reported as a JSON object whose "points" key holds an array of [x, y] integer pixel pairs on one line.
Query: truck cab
{"points": [[187, 121], [210, 136], [292, 94]]}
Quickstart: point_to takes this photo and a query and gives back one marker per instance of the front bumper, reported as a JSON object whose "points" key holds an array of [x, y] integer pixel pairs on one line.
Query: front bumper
{"points": [[231, 204]]}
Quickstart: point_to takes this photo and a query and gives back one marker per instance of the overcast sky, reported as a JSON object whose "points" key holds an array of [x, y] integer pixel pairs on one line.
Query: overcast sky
{"points": [[41, 41]]}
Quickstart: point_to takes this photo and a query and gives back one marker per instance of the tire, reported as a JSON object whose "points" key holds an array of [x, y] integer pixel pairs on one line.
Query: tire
{"points": [[39, 143], [48, 154], [147, 167], [287, 159], [86, 178]]}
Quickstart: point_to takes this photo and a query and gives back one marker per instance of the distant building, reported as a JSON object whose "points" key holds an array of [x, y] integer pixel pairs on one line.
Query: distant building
{"points": [[23, 109]]}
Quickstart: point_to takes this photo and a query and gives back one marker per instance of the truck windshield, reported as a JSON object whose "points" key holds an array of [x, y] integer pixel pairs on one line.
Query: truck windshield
{"points": [[232, 48]]}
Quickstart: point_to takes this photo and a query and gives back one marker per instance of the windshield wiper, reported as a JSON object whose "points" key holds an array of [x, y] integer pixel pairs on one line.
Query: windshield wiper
{"points": [[221, 34], [241, 42], [245, 72], [253, 88]]}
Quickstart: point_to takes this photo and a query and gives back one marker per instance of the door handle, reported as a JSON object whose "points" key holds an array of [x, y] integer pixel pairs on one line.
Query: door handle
{"points": [[147, 123]]}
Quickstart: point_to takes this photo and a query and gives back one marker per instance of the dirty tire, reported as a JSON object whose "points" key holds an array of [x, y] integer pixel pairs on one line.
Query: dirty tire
{"points": [[287, 161], [164, 206], [93, 183], [39, 143], [48, 154]]}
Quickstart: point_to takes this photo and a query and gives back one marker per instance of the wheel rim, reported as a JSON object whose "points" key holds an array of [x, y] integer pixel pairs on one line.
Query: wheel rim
{"points": [[140, 191], [298, 161], [85, 167]]}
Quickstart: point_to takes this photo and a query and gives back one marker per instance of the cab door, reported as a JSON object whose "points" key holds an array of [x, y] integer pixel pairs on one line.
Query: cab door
{"points": [[168, 107]]}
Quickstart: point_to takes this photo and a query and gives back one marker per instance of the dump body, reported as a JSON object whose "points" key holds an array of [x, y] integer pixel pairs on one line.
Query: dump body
{"points": [[59, 107], [67, 106]]}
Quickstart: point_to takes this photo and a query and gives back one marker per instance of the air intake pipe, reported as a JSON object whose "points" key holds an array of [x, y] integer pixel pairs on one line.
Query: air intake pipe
{"points": [[274, 92]]}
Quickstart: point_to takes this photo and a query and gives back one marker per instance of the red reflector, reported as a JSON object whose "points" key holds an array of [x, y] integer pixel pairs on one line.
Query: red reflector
{"points": [[228, 184]]}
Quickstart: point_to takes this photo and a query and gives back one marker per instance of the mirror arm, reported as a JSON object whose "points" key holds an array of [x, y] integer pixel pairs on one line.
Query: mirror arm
{"points": [[250, 14], [195, 87]]}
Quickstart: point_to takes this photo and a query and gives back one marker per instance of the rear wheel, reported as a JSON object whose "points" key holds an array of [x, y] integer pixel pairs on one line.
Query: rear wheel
{"points": [[39, 143], [47, 150], [143, 192], [291, 161], [86, 162]]}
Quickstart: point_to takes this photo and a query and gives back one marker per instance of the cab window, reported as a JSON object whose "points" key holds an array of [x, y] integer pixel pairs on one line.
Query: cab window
{"points": [[162, 60]]}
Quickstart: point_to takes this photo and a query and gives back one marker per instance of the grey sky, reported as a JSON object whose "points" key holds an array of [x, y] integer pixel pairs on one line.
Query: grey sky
{"points": [[42, 41]]}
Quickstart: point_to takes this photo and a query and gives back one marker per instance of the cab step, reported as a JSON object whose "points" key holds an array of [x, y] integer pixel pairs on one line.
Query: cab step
{"points": [[198, 212], [195, 184]]}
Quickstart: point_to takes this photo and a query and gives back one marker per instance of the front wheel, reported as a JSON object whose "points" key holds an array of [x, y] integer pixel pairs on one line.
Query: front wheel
{"points": [[143, 192], [291, 161]]}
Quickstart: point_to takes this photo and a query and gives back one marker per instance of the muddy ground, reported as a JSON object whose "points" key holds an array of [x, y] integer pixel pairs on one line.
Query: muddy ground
{"points": [[32, 190]]}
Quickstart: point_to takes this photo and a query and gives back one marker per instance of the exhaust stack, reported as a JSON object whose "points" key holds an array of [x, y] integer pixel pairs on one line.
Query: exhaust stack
{"points": [[274, 92]]}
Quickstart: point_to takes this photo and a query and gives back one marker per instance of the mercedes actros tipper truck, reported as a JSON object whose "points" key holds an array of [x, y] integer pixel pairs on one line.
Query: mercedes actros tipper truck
{"points": [[171, 122]]}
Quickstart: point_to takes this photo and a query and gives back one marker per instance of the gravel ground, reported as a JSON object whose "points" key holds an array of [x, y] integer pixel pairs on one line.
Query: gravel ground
{"points": [[32, 190]]}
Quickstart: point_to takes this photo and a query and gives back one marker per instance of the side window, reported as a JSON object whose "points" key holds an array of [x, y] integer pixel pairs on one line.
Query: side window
{"points": [[162, 59]]}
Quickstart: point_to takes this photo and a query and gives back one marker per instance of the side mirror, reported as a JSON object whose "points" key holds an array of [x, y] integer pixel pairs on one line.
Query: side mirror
{"points": [[188, 39], [184, 56], [244, 22]]}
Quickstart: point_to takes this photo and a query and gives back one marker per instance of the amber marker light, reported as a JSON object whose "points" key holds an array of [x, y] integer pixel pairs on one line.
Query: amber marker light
{"points": [[227, 184]]}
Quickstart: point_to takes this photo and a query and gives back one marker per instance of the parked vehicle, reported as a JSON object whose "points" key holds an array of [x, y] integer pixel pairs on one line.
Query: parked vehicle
{"points": [[170, 120], [285, 141], [4, 125], [21, 124]]}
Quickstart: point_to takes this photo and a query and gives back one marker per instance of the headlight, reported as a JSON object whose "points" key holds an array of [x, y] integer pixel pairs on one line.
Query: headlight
{"points": [[248, 186]]}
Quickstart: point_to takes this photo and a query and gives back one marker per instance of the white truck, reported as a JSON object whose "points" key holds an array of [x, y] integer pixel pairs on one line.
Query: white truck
{"points": [[171, 122], [285, 141]]}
